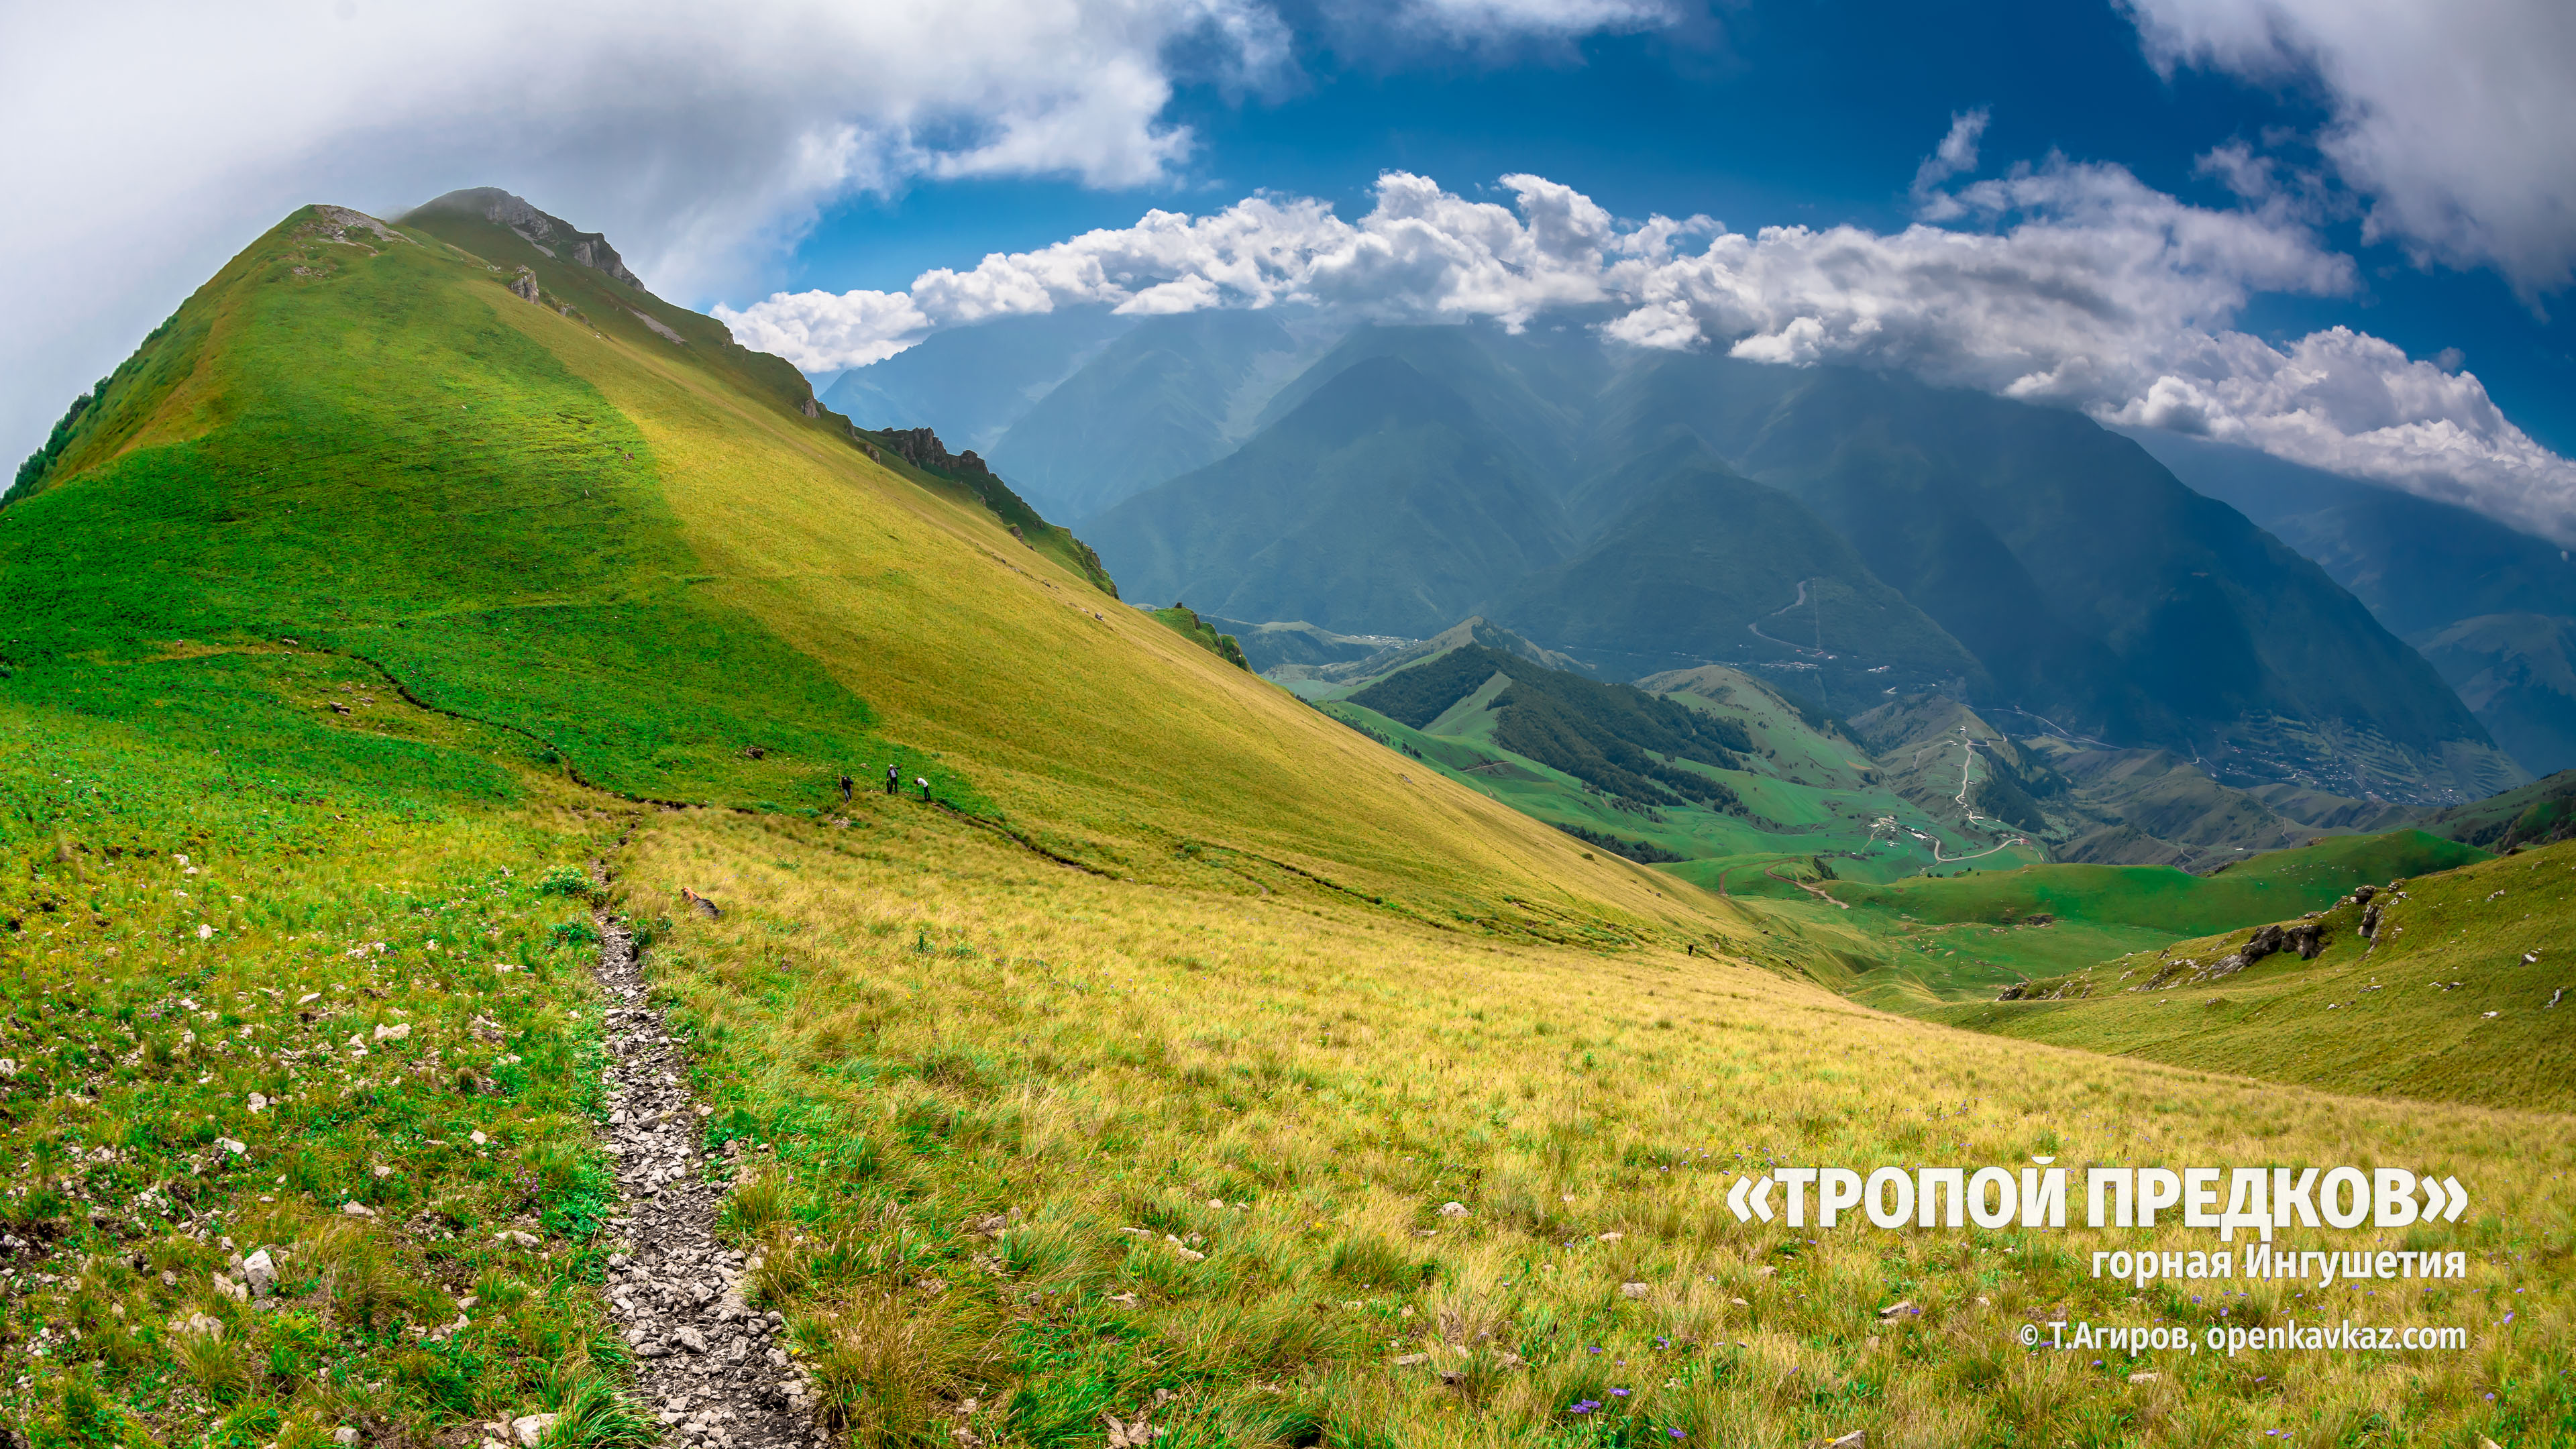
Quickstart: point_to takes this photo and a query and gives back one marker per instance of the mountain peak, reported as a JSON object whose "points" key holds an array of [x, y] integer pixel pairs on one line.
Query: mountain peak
{"points": [[547, 233]]}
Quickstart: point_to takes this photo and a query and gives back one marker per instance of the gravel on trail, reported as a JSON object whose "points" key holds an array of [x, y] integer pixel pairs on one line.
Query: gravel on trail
{"points": [[716, 1370]]}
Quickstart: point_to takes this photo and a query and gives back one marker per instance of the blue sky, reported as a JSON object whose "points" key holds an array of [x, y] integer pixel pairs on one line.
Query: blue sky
{"points": [[1807, 113]]}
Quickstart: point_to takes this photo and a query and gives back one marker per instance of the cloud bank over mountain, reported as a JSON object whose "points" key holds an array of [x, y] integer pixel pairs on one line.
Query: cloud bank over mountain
{"points": [[2066, 283]]}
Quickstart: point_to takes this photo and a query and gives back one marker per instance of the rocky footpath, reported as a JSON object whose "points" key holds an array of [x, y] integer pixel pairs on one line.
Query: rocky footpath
{"points": [[716, 1369]]}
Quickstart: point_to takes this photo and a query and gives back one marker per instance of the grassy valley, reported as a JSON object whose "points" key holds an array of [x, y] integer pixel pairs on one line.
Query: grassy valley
{"points": [[1188, 1060]]}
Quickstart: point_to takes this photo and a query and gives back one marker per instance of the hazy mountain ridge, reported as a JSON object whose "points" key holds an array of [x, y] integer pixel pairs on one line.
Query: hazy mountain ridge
{"points": [[1153, 403], [2439, 575], [1703, 557], [972, 383], [1377, 505], [2020, 556]]}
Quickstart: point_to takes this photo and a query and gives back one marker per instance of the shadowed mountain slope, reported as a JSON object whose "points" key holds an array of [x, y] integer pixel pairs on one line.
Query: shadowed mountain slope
{"points": [[1705, 563], [973, 383], [2102, 593], [1380, 505], [2084, 583], [2471, 593], [1151, 405]]}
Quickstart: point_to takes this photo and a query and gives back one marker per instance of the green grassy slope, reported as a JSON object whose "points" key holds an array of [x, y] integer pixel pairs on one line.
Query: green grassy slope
{"points": [[1299, 993], [2268, 887], [1184, 621], [2543, 810], [1972, 932], [446, 500], [2452, 1003], [597, 521], [215, 892], [1795, 793]]}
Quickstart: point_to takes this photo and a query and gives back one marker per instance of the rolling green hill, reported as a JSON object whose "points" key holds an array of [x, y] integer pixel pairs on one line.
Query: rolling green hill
{"points": [[2457, 999], [2268, 887], [1964, 933], [1608, 736], [2541, 812], [594, 519], [1750, 791], [246, 499]]}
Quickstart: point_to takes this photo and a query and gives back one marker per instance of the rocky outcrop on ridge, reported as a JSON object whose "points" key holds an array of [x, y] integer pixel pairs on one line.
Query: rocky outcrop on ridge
{"points": [[552, 235]]}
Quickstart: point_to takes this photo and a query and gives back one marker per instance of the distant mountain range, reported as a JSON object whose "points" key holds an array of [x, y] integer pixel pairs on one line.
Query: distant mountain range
{"points": [[2494, 610], [1855, 537]]}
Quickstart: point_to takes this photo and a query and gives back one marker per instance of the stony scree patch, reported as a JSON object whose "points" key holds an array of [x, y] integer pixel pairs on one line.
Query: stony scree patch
{"points": [[716, 1369]]}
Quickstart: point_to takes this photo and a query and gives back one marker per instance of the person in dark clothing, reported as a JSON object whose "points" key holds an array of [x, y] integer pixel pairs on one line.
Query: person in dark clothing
{"points": [[890, 779], [924, 784], [845, 789]]}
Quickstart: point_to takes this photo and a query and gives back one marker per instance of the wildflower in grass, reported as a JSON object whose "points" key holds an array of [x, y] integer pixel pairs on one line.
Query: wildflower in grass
{"points": [[1618, 1393], [1677, 1433], [1584, 1406]]}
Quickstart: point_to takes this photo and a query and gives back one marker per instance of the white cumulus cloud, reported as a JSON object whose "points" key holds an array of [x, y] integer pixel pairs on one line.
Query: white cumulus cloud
{"points": [[2063, 283], [2454, 119], [1956, 154]]}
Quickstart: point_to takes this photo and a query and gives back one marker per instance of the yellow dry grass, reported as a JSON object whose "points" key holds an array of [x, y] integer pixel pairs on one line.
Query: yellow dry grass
{"points": [[931, 1028], [1091, 723]]}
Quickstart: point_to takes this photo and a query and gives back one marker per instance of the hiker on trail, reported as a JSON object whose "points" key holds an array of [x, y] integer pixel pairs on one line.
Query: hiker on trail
{"points": [[924, 784], [890, 779], [845, 789]]}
